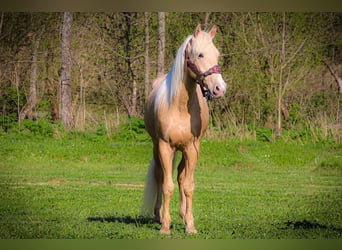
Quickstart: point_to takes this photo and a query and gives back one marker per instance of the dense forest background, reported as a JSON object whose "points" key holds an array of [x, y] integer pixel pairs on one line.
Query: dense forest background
{"points": [[283, 70]]}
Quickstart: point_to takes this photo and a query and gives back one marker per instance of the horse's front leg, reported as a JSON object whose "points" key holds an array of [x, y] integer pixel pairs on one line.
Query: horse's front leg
{"points": [[180, 179], [191, 154], [166, 154]]}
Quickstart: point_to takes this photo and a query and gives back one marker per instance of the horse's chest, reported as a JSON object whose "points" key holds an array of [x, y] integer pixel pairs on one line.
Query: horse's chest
{"points": [[181, 129]]}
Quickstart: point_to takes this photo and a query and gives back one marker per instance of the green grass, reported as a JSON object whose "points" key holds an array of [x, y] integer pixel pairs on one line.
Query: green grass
{"points": [[88, 187]]}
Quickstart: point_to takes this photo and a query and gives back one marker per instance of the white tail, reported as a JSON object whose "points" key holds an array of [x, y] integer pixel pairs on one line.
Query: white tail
{"points": [[150, 194]]}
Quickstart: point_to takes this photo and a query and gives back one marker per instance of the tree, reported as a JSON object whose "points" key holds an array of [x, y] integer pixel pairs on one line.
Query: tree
{"points": [[66, 114], [33, 99], [272, 63], [130, 62], [146, 54], [270, 57], [338, 80], [206, 19], [334, 73], [161, 43]]}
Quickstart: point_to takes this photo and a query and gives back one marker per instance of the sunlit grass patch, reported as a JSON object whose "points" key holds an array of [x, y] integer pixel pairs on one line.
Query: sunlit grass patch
{"points": [[77, 188]]}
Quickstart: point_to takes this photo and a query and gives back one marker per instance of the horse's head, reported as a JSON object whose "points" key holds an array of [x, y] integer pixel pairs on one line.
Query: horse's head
{"points": [[202, 61]]}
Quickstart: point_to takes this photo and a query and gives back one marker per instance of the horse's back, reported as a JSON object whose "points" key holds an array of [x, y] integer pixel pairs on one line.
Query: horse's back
{"points": [[149, 115]]}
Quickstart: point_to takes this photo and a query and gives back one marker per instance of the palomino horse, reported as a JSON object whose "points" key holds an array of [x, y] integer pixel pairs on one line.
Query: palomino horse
{"points": [[176, 117]]}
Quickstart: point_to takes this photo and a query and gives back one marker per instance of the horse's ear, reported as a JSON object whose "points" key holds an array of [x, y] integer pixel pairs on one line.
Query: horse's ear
{"points": [[197, 30], [213, 31]]}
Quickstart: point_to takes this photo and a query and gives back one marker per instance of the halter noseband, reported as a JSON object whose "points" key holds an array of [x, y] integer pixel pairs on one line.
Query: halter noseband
{"points": [[200, 77]]}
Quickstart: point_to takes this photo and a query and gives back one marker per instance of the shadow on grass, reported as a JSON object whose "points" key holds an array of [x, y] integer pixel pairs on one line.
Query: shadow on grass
{"points": [[139, 221], [126, 219], [304, 224]]}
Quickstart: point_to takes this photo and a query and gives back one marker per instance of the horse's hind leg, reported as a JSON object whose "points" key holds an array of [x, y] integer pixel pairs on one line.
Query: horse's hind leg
{"points": [[158, 205], [166, 154]]}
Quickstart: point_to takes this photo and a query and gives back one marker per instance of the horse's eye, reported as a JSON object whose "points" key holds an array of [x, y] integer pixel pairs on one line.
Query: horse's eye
{"points": [[200, 55]]}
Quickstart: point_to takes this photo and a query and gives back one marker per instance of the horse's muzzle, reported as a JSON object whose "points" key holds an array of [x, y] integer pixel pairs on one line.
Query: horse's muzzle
{"points": [[219, 89]]}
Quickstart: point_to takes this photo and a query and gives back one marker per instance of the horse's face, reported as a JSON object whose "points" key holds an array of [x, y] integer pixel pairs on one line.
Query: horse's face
{"points": [[204, 55]]}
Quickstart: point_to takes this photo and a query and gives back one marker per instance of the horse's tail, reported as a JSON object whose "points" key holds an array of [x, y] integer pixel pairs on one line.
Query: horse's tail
{"points": [[150, 194]]}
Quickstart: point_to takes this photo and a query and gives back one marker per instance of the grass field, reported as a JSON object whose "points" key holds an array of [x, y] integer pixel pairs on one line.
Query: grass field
{"points": [[89, 187]]}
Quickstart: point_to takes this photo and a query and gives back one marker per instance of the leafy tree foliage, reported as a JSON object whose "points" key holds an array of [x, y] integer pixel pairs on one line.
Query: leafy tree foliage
{"points": [[272, 62]]}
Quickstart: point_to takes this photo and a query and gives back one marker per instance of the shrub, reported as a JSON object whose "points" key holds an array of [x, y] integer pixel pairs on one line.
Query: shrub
{"points": [[40, 127], [134, 129], [264, 134]]}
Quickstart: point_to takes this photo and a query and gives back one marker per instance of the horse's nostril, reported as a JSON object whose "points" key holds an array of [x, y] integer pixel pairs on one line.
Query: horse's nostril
{"points": [[217, 88]]}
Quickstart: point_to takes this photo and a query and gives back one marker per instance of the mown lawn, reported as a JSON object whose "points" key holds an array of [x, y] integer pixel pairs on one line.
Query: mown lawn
{"points": [[88, 187]]}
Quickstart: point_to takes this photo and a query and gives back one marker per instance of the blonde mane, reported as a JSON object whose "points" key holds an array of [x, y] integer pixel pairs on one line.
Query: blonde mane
{"points": [[168, 88]]}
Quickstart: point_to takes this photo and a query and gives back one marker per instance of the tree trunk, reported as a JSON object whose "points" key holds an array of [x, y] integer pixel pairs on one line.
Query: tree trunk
{"points": [[16, 82], [66, 115], [281, 76], [134, 97], [146, 55], [132, 109], [161, 43], [337, 78], [206, 18], [32, 99], [52, 96], [1, 21]]}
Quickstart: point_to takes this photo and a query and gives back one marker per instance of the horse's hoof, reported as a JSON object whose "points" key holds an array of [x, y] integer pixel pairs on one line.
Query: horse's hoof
{"points": [[165, 231], [191, 230]]}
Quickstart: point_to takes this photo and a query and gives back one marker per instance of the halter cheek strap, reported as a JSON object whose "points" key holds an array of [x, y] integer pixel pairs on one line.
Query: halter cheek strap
{"points": [[200, 77]]}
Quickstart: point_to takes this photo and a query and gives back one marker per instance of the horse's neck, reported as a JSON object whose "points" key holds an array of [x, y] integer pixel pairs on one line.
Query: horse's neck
{"points": [[186, 96]]}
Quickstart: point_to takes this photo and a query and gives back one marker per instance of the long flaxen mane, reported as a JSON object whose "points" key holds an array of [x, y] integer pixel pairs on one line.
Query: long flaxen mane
{"points": [[168, 88]]}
